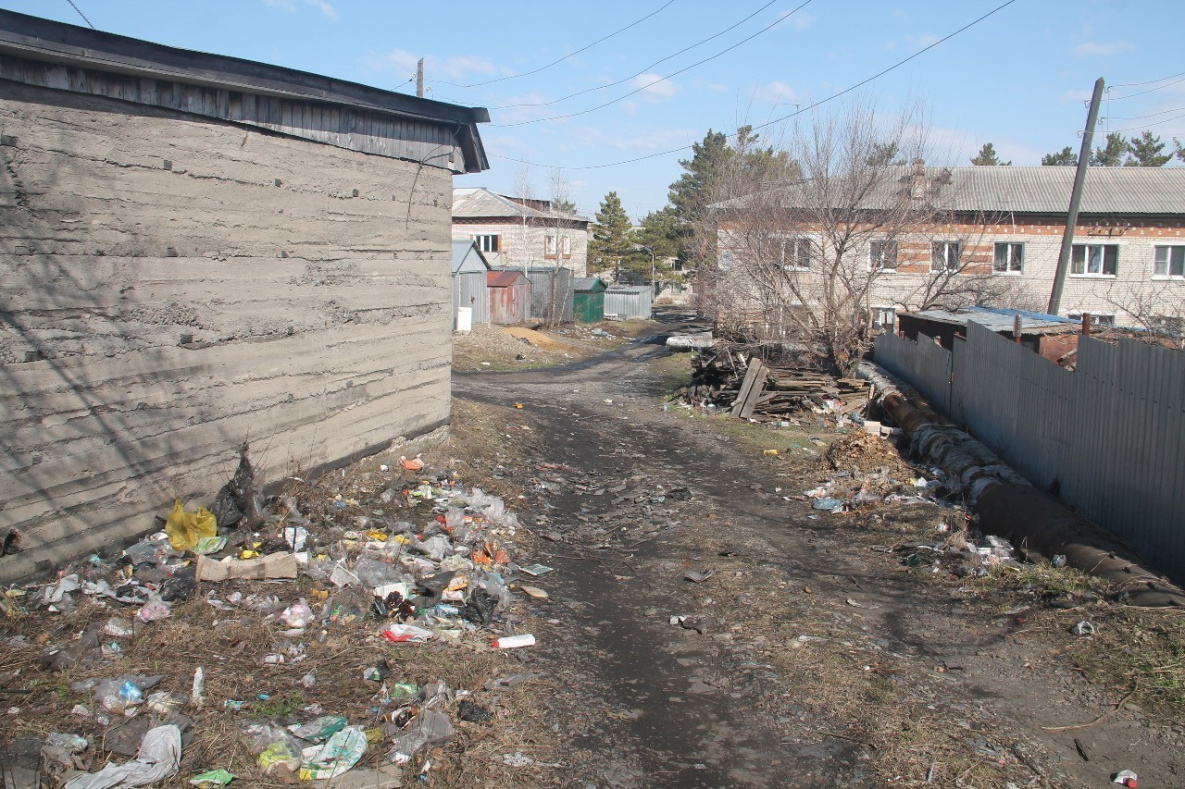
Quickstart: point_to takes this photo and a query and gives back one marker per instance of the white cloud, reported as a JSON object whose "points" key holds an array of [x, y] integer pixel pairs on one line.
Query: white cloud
{"points": [[777, 93], [1071, 96], [922, 41], [654, 88], [1090, 48], [799, 21], [455, 67], [324, 7]]}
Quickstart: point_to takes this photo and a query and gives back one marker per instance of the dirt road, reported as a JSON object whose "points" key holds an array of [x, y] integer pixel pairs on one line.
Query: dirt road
{"points": [[810, 656]]}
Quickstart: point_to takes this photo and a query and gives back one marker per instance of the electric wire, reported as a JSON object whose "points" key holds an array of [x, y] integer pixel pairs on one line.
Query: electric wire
{"points": [[79, 10], [1146, 125], [661, 79], [1141, 117], [1145, 92], [1145, 82], [661, 8], [797, 112], [644, 70]]}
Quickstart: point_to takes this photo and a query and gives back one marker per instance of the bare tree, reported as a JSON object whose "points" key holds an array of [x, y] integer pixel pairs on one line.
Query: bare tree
{"points": [[802, 258], [1156, 307]]}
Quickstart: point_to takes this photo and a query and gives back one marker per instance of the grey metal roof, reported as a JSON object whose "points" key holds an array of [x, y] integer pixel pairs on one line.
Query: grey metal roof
{"points": [[40, 40], [997, 320], [1155, 191], [585, 284], [466, 250], [481, 203]]}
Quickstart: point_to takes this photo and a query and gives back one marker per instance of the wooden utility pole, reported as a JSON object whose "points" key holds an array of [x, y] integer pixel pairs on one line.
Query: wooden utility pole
{"points": [[420, 78], [1063, 258]]}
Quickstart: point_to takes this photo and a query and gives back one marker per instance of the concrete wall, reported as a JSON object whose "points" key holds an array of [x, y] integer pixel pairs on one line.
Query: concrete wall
{"points": [[173, 286]]}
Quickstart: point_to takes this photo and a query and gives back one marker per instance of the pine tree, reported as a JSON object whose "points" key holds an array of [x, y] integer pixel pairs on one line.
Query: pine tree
{"points": [[612, 235], [987, 157], [1146, 151], [1112, 153], [885, 154], [1065, 156]]}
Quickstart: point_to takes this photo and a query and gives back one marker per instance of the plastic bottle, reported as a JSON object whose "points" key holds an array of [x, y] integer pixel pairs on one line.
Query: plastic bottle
{"points": [[512, 642]]}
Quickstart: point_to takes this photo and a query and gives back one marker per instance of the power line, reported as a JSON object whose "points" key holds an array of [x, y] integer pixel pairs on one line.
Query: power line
{"points": [[644, 70], [1146, 125], [565, 57], [79, 10], [1145, 92], [661, 79], [1141, 117], [809, 107], [1146, 82]]}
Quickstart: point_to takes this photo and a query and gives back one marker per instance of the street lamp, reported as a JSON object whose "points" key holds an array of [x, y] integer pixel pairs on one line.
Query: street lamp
{"points": [[651, 251]]}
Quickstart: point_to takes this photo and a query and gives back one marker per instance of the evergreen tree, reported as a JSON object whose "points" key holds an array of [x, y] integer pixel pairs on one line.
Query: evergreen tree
{"points": [[612, 234], [562, 205], [1180, 150], [885, 154], [1111, 154], [1146, 151], [987, 157], [1063, 157]]}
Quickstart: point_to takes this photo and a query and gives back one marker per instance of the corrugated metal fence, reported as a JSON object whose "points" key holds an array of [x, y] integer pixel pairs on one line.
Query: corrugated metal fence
{"points": [[629, 302], [1108, 437]]}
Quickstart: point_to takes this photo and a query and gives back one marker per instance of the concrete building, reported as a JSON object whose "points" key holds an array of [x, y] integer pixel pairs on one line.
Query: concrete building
{"points": [[199, 251], [983, 235], [517, 232]]}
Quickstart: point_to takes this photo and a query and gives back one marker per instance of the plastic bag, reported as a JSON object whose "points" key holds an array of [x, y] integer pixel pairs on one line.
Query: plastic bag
{"points": [[275, 749], [428, 728], [341, 752], [185, 529]]}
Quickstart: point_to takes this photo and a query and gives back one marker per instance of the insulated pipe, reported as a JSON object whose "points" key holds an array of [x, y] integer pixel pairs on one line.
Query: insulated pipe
{"points": [[1009, 507]]}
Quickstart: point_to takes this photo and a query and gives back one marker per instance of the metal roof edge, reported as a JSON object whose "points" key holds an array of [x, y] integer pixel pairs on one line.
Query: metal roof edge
{"points": [[34, 38]]}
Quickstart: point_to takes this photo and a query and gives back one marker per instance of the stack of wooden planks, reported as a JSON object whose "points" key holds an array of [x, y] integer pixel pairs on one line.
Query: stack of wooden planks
{"points": [[755, 389]]}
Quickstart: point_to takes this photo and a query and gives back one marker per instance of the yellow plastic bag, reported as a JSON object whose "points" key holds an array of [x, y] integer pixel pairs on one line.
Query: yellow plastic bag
{"points": [[186, 528]]}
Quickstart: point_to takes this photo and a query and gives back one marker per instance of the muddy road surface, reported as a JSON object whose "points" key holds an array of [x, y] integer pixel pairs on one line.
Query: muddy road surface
{"points": [[703, 627]]}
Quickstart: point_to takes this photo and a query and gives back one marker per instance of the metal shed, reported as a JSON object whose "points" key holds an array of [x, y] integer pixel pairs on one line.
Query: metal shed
{"points": [[551, 294], [469, 282], [588, 299], [510, 296], [629, 302]]}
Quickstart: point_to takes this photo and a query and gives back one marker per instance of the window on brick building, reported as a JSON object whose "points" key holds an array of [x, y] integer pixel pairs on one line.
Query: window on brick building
{"points": [[566, 246], [1103, 321], [882, 255], [796, 253], [945, 255], [1010, 258], [1094, 260], [489, 242], [1169, 262], [549, 246]]}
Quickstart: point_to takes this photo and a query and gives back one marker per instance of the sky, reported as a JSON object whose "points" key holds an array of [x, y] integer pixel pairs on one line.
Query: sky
{"points": [[667, 71]]}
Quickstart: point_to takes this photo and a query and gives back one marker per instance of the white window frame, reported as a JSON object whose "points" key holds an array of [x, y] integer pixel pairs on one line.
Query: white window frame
{"points": [[877, 262], [1104, 320], [1014, 259], [489, 242], [941, 256], [1091, 254], [1173, 257], [876, 319], [799, 248]]}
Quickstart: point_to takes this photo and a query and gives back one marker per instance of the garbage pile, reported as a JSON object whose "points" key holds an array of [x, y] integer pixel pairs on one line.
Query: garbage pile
{"points": [[423, 560], [868, 472]]}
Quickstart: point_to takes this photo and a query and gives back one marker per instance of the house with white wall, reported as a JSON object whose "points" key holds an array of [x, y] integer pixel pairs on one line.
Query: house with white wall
{"points": [[519, 232], [962, 236]]}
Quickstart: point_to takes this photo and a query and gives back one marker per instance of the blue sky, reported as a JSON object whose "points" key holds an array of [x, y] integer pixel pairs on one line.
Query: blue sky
{"points": [[1019, 78]]}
